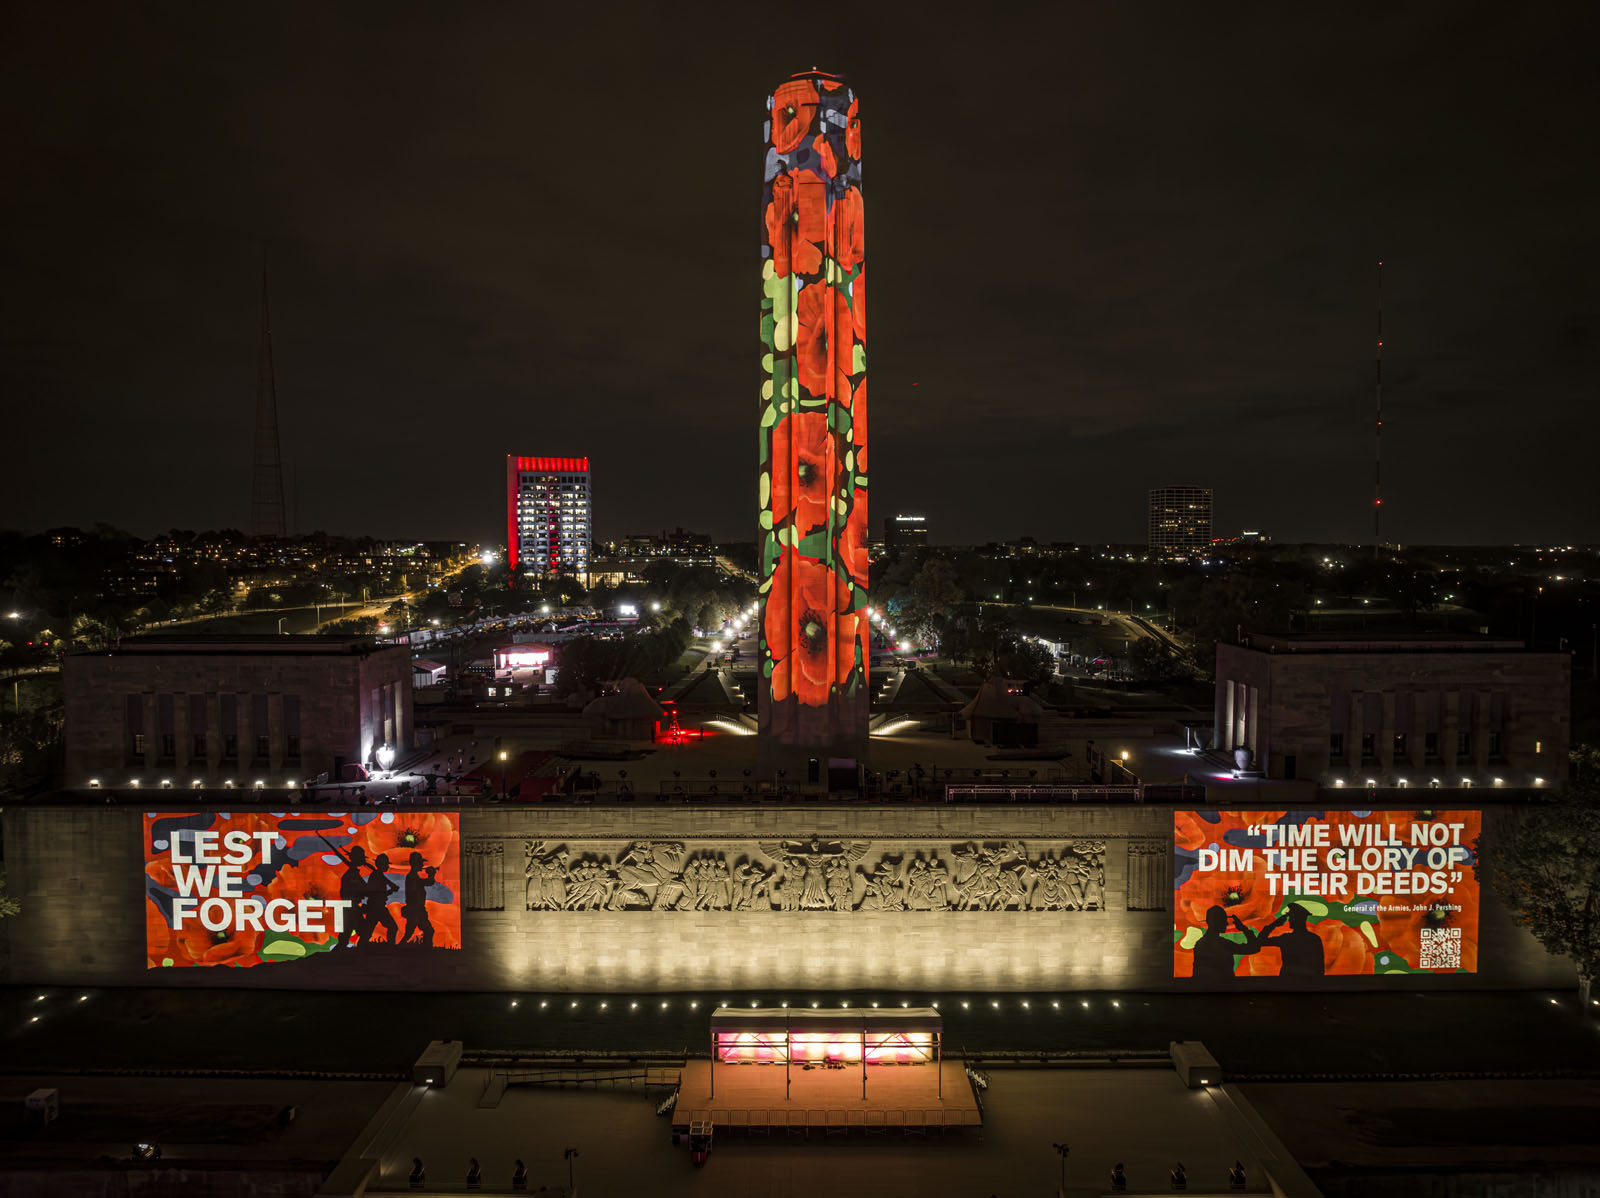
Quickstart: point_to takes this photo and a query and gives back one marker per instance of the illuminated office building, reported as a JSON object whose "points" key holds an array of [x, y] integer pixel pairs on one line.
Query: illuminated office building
{"points": [[812, 421], [904, 532], [1180, 519], [548, 519]]}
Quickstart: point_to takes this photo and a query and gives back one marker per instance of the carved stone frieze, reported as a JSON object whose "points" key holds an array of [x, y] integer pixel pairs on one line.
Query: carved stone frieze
{"points": [[815, 874]]}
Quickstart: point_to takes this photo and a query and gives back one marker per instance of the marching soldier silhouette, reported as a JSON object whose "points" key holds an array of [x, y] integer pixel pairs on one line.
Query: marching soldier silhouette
{"points": [[415, 908]]}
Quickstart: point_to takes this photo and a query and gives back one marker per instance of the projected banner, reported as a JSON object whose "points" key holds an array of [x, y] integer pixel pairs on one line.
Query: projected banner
{"points": [[1309, 893], [249, 888], [812, 540]]}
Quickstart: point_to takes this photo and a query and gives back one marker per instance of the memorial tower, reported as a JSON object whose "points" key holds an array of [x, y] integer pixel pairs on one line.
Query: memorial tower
{"points": [[812, 538]]}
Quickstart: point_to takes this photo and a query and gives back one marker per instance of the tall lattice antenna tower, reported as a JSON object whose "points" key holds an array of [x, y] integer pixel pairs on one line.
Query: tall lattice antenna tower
{"points": [[266, 483], [1377, 434]]}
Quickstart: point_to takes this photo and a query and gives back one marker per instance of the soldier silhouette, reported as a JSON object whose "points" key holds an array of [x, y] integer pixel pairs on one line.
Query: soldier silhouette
{"points": [[415, 908], [375, 902], [1215, 956], [1300, 948], [352, 889]]}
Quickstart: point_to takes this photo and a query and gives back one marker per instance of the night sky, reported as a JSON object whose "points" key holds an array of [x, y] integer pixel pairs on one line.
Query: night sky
{"points": [[1112, 247]]}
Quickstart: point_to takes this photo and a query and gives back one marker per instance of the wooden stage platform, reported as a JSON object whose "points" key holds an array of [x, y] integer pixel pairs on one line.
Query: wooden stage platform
{"points": [[901, 1100]]}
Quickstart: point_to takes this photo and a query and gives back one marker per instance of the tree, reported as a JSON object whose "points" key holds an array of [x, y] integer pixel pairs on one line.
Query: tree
{"points": [[1027, 660], [1546, 869], [1152, 661], [922, 606], [8, 905]]}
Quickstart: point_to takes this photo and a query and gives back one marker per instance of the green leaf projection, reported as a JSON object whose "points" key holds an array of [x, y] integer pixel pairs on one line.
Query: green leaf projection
{"points": [[812, 424]]}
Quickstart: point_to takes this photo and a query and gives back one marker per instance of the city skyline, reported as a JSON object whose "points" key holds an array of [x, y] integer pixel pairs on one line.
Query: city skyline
{"points": [[1174, 264]]}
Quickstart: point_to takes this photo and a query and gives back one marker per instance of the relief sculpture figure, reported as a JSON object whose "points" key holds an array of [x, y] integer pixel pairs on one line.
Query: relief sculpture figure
{"points": [[648, 874], [749, 884], [544, 875], [590, 886], [983, 883], [806, 869], [927, 886], [885, 890]]}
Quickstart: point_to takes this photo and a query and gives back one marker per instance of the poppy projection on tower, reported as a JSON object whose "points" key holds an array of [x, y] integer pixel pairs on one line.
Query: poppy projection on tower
{"points": [[813, 427]]}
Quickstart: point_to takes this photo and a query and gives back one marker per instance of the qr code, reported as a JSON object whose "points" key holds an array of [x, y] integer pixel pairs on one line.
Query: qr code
{"points": [[1441, 948]]}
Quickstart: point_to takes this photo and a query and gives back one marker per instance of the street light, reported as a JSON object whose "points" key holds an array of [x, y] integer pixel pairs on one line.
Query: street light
{"points": [[502, 773], [1061, 1151], [568, 1154]]}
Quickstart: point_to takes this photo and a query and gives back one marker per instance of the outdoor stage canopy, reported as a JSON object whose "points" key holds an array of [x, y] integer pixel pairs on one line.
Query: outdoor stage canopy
{"points": [[826, 1039]]}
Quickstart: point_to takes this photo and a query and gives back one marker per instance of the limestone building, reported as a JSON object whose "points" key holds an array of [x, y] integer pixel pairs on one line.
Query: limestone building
{"points": [[1399, 710], [240, 711]]}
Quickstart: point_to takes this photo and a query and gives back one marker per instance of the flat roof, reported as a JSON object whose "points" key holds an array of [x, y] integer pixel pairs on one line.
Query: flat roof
{"points": [[1381, 642], [836, 1019], [239, 646]]}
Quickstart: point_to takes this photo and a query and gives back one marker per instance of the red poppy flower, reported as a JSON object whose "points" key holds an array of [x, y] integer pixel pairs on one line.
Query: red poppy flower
{"points": [[817, 642], [1246, 895], [804, 461], [1344, 951], [858, 425], [853, 540], [811, 350], [776, 629], [810, 643], [846, 630], [794, 229], [202, 947], [1191, 832], [852, 130], [848, 228], [858, 305], [310, 878], [825, 152], [843, 346], [794, 107], [431, 834], [428, 833]]}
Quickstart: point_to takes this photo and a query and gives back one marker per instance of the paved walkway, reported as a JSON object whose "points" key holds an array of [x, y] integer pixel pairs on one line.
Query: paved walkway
{"points": [[1279, 1035]]}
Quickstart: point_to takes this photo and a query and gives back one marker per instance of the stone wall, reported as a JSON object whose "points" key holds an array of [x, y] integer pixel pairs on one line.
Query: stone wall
{"points": [[342, 696], [819, 896], [1284, 706]]}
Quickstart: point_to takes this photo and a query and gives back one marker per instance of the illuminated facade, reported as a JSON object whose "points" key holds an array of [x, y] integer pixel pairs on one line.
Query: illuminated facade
{"points": [[548, 522], [1180, 519], [813, 533]]}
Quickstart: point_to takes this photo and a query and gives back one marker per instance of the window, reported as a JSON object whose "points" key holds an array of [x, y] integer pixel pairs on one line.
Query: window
{"points": [[1494, 744], [291, 745], [199, 745], [1369, 745], [1399, 744], [1430, 743], [230, 744], [169, 744], [1336, 744], [138, 744], [1463, 744], [263, 747]]}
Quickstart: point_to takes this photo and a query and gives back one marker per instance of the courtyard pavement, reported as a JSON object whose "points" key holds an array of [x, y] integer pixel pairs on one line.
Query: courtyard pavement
{"points": [[47, 1029]]}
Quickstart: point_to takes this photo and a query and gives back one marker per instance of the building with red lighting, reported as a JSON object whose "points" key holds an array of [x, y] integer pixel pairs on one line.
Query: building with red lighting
{"points": [[548, 520]]}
